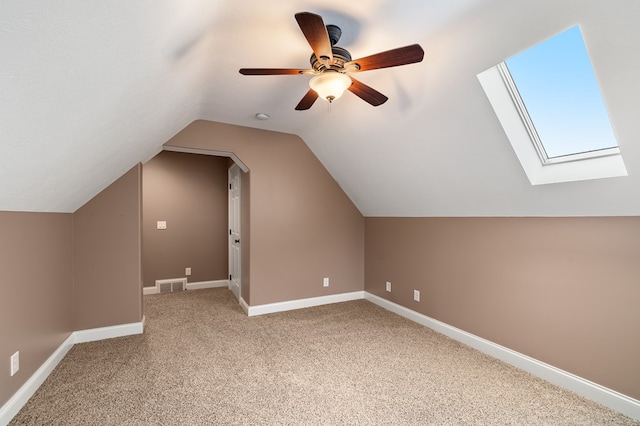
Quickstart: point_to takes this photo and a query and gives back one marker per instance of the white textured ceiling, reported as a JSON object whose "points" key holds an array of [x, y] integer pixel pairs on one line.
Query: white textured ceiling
{"points": [[90, 88]]}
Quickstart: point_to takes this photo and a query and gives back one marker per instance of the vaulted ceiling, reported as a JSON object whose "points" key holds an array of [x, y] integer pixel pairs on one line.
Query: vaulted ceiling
{"points": [[90, 88]]}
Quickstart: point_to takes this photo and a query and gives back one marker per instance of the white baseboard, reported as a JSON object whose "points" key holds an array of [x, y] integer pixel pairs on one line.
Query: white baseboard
{"points": [[191, 286], [26, 391], [303, 303], [103, 333], [244, 305], [607, 397], [207, 284]]}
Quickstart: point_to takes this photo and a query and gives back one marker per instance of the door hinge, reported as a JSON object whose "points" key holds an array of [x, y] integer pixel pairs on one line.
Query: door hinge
{"points": [[229, 186], [230, 276], [229, 231]]}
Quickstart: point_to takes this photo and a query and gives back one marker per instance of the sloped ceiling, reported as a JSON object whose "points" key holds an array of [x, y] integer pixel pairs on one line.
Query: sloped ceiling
{"points": [[90, 88]]}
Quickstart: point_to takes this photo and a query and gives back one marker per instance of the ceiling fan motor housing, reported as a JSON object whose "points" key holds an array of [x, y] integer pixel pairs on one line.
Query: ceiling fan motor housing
{"points": [[340, 57]]}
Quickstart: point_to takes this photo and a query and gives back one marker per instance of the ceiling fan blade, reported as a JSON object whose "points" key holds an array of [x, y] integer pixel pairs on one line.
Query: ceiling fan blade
{"points": [[315, 31], [307, 101], [391, 58], [367, 93], [272, 71]]}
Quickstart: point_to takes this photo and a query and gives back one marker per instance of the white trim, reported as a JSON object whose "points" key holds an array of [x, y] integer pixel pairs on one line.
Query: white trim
{"points": [[207, 284], [610, 398], [231, 155], [515, 128], [26, 391], [303, 303], [191, 286], [234, 224], [244, 305], [102, 333]]}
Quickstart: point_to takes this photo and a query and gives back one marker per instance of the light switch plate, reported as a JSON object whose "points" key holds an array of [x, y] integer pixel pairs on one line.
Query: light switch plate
{"points": [[15, 363]]}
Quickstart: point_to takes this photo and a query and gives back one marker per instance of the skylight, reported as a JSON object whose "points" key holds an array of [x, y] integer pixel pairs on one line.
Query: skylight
{"points": [[560, 92], [547, 97]]}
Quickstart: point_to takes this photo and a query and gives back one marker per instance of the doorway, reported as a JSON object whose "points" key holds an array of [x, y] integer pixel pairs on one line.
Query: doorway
{"points": [[187, 193]]}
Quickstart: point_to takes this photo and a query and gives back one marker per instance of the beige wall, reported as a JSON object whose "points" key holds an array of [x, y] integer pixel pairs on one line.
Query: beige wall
{"points": [[35, 306], [68, 272], [189, 192], [561, 290], [107, 256], [303, 227]]}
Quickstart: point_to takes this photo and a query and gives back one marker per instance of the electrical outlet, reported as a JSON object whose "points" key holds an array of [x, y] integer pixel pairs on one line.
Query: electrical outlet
{"points": [[161, 224], [325, 282], [416, 295], [389, 286], [15, 363], [187, 271]]}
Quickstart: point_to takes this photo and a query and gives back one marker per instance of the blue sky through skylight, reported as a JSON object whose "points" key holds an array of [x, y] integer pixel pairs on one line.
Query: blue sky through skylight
{"points": [[556, 81]]}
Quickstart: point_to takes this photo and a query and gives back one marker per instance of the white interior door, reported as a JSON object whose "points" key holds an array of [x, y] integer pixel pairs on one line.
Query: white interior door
{"points": [[234, 230]]}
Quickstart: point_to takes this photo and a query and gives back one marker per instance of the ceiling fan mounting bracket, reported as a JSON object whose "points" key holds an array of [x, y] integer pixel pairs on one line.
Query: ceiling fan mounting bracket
{"points": [[334, 33]]}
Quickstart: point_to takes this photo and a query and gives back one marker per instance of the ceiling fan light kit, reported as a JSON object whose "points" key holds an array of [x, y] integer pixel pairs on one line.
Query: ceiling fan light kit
{"points": [[331, 64], [330, 85]]}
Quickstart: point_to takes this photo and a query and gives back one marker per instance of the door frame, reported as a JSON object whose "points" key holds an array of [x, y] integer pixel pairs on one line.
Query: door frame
{"points": [[234, 224]]}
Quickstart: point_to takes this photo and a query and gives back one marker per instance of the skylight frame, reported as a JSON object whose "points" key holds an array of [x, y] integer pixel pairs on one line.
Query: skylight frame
{"points": [[520, 130], [520, 106]]}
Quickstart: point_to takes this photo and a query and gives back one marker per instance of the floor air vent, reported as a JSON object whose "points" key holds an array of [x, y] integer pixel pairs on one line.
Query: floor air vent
{"points": [[171, 285]]}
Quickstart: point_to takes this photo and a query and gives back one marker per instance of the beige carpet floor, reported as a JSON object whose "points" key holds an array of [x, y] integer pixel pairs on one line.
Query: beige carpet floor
{"points": [[202, 361]]}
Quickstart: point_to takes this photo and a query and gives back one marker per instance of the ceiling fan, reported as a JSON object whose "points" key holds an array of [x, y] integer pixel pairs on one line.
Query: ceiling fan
{"points": [[331, 65]]}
